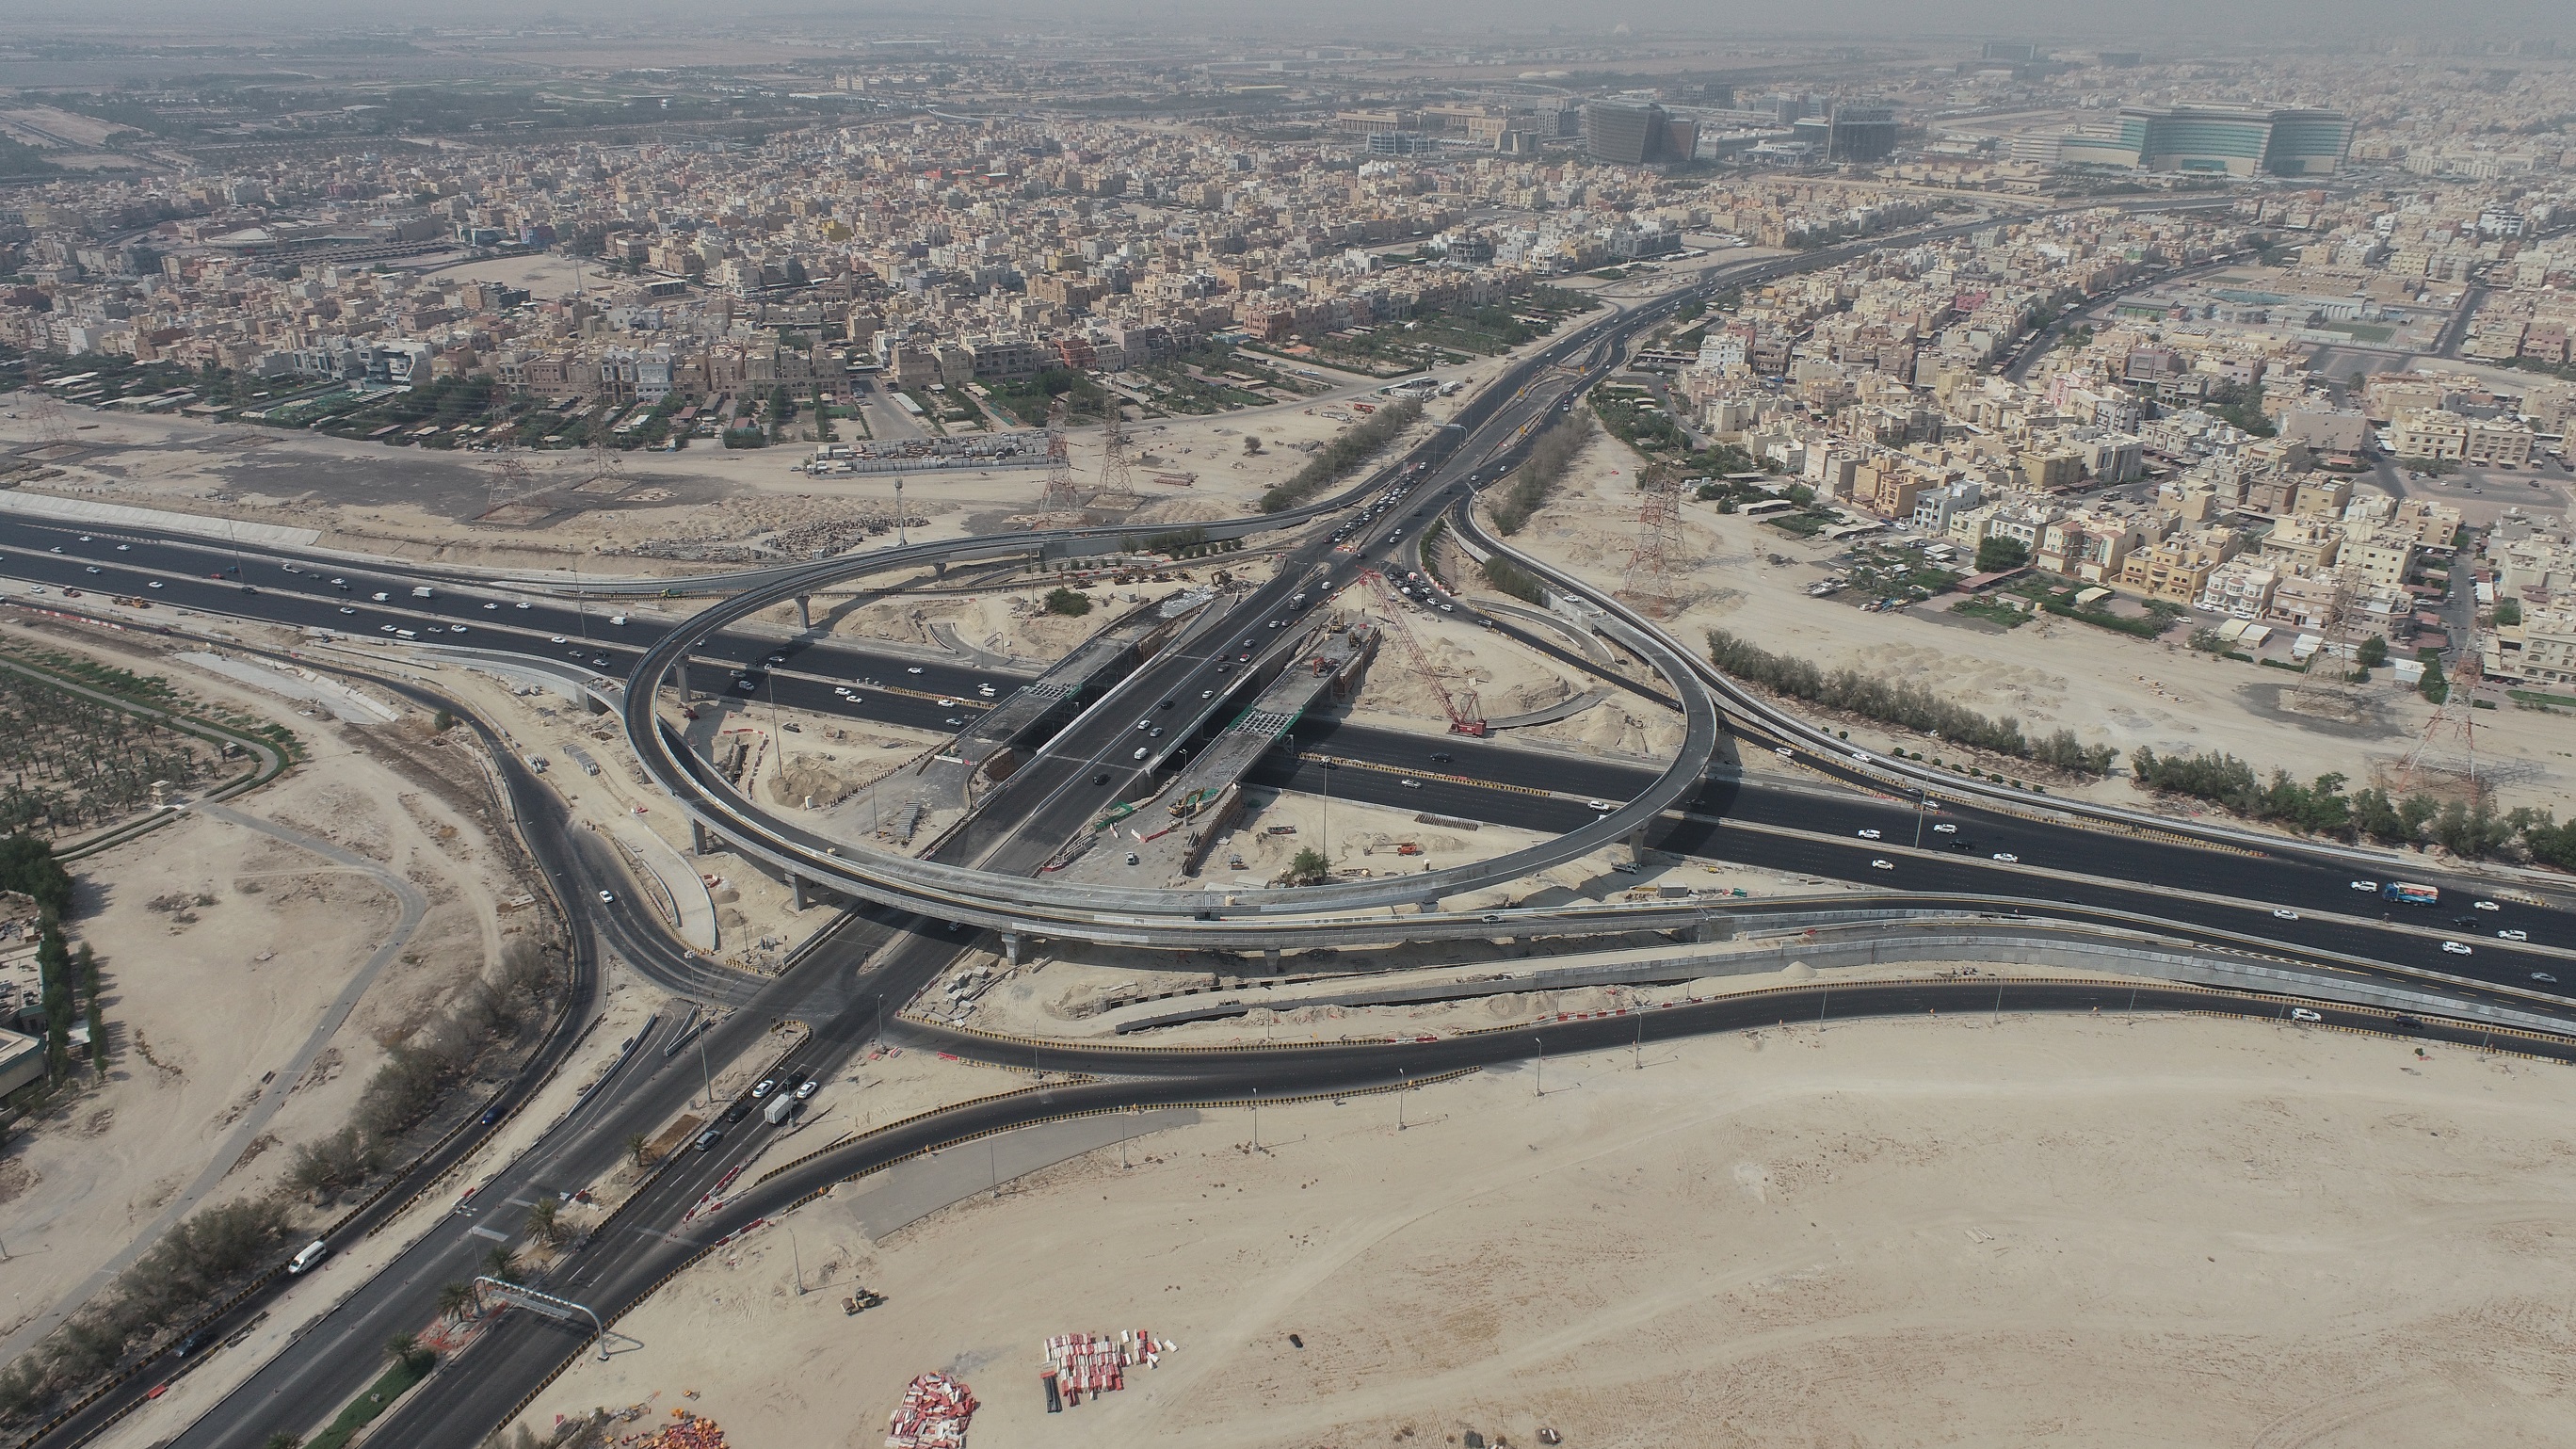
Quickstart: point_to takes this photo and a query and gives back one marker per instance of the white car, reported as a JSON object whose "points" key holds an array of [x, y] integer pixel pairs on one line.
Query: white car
{"points": [[2513, 935], [912, 669], [2007, 857], [2487, 906], [2280, 913], [156, 583], [2454, 948], [1882, 865], [558, 639], [1783, 752], [1945, 829], [491, 606], [608, 898], [1597, 806], [2301, 1013], [2365, 885], [1412, 784], [1866, 834], [520, 605]]}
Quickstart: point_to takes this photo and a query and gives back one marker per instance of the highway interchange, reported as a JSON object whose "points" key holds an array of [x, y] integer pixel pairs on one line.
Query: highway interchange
{"points": [[847, 987]]}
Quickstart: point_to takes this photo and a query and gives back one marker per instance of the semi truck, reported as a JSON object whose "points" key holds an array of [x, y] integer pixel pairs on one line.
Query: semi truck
{"points": [[2410, 895]]}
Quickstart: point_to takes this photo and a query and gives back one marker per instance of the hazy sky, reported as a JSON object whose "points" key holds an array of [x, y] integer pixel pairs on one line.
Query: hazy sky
{"points": [[2179, 24]]}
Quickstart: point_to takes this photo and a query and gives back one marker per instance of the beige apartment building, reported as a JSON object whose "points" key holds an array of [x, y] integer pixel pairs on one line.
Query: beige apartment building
{"points": [[2302, 545], [2178, 569], [2549, 646], [2451, 438]]}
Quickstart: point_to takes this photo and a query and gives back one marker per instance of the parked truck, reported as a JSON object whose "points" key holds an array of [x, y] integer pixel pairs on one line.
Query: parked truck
{"points": [[780, 1108], [2410, 895]]}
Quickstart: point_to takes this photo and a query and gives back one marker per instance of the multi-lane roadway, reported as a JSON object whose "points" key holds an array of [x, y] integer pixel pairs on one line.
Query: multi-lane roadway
{"points": [[876, 958]]}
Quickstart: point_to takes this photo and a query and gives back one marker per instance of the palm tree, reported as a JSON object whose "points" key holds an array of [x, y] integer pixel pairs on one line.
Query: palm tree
{"points": [[501, 1263], [635, 1146], [456, 1301], [542, 1225]]}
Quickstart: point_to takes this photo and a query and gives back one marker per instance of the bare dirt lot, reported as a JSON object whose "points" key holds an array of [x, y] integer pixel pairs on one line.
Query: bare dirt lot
{"points": [[2087, 1231], [221, 948]]}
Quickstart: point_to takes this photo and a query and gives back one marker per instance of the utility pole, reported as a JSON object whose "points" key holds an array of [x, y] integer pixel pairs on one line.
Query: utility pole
{"points": [[798, 1256], [705, 1072]]}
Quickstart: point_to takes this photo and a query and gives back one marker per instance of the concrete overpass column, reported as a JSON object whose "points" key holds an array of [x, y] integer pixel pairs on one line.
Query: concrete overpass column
{"points": [[680, 675], [805, 611], [796, 891], [595, 704], [1011, 947], [1635, 841], [1270, 959], [699, 843]]}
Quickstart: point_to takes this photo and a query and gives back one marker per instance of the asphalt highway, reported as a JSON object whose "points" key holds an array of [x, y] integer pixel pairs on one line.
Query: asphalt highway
{"points": [[876, 959]]}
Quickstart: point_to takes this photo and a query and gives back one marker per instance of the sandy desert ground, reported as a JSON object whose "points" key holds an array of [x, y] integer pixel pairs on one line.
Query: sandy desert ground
{"points": [[2108, 688], [208, 998], [2097, 1231]]}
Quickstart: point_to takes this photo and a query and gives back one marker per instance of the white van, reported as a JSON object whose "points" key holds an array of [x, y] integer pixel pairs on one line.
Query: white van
{"points": [[314, 1252], [618, 619]]}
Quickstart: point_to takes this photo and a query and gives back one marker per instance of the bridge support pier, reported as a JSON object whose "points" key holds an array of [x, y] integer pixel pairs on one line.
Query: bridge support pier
{"points": [[1635, 842], [680, 676], [1011, 947], [594, 703], [939, 568], [796, 891], [1270, 959], [804, 611], [700, 843]]}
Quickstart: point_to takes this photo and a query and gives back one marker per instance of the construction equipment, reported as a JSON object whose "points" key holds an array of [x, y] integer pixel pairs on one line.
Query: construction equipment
{"points": [[1463, 719]]}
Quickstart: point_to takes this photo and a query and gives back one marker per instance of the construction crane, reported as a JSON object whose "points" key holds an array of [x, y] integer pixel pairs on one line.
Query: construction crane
{"points": [[1465, 718]]}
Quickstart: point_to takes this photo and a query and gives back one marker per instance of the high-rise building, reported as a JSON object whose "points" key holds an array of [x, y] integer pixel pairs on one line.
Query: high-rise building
{"points": [[1625, 134], [2238, 141], [1860, 131], [2016, 52]]}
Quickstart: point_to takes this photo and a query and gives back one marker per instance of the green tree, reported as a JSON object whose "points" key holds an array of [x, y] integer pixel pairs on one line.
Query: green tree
{"points": [[1071, 604], [456, 1300], [27, 866], [54, 992], [2373, 652], [1309, 867], [2508, 612], [1995, 555], [545, 1222], [404, 1349]]}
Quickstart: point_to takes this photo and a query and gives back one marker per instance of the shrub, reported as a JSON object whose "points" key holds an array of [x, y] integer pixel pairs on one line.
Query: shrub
{"points": [[1343, 455], [1539, 474], [1905, 706], [1071, 604]]}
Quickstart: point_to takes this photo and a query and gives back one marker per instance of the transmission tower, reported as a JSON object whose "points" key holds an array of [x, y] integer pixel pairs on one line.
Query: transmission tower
{"points": [[2321, 690], [508, 478], [1649, 581], [1115, 479], [53, 430], [2448, 750], [1059, 496], [607, 469]]}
